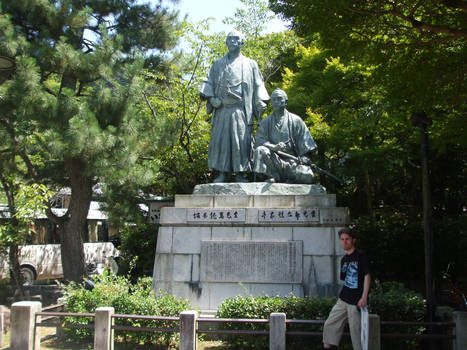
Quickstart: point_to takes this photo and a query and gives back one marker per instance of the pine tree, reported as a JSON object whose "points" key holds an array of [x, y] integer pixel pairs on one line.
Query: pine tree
{"points": [[74, 96]]}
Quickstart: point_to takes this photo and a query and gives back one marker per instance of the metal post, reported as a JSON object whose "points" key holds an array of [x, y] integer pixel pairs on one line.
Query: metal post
{"points": [[277, 331], [188, 330], [421, 120], [103, 331]]}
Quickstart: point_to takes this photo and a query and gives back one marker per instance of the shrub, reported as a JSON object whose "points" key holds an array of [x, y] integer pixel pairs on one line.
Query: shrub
{"points": [[394, 302], [308, 308], [390, 300], [128, 299], [138, 241]]}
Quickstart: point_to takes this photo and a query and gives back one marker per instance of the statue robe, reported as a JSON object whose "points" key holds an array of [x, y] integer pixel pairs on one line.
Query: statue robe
{"points": [[240, 86], [294, 133]]}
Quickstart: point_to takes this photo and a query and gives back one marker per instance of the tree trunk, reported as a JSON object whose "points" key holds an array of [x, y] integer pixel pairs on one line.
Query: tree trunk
{"points": [[16, 275], [72, 229], [13, 255]]}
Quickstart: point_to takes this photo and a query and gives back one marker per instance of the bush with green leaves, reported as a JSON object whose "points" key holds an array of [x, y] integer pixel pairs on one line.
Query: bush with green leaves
{"points": [[138, 241], [390, 300], [307, 308], [129, 299]]}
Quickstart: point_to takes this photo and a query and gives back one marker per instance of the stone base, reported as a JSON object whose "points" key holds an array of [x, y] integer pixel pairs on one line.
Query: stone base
{"points": [[215, 246], [257, 188]]}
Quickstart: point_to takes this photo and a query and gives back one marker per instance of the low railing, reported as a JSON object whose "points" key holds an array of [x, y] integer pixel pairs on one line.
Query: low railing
{"points": [[25, 334]]}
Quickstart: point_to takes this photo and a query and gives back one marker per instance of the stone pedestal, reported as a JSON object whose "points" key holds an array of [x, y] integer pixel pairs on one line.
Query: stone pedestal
{"points": [[249, 239]]}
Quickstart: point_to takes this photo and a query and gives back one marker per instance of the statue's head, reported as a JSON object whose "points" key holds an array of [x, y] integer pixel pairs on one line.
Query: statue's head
{"points": [[234, 40], [280, 92], [279, 99]]}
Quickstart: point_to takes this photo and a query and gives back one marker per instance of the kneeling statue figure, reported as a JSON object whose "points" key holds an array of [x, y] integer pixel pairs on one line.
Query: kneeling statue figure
{"points": [[283, 143]]}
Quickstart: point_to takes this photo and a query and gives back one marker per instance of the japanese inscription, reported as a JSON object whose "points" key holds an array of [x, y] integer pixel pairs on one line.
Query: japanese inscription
{"points": [[257, 262], [215, 215], [288, 215]]}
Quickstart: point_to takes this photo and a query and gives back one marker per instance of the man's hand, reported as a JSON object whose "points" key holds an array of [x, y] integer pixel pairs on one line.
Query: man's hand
{"points": [[362, 302], [260, 107], [216, 102]]}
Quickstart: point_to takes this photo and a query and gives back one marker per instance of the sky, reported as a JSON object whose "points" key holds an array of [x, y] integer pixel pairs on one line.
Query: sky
{"points": [[198, 10]]}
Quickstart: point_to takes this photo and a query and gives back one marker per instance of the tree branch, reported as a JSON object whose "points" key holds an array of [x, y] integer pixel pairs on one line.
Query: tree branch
{"points": [[31, 169], [149, 105], [417, 25]]}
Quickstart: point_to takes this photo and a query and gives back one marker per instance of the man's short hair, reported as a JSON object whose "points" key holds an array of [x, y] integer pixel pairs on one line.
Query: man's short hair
{"points": [[347, 231]]}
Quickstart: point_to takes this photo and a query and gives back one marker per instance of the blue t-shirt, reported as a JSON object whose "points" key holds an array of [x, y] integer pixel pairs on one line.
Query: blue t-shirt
{"points": [[354, 267]]}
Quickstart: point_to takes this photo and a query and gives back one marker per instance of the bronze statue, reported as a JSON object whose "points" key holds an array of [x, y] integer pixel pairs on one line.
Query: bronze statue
{"points": [[234, 92], [283, 144]]}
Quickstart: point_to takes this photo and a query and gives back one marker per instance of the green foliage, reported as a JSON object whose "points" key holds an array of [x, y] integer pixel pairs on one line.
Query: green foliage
{"points": [[251, 20], [128, 299], [30, 201], [308, 308], [397, 232], [391, 233], [138, 241], [75, 97], [416, 47], [394, 302], [390, 300]]}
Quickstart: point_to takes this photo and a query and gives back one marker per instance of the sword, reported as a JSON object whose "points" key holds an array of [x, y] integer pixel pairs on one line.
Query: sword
{"points": [[312, 166]]}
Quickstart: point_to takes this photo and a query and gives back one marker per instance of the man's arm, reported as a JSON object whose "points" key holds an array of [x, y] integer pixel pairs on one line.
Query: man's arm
{"points": [[366, 289]]}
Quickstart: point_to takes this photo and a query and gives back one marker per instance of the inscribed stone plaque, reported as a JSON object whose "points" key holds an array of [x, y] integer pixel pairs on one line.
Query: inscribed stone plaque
{"points": [[261, 262], [215, 215], [289, 215]]}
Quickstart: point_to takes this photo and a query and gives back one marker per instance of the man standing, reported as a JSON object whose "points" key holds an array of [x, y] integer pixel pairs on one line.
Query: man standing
{"points": [[235, 92], [283, 143], [355, 272]]}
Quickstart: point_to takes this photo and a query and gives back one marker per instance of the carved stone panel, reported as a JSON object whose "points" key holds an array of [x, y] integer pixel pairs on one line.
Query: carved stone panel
{"points": [[246, 261]]}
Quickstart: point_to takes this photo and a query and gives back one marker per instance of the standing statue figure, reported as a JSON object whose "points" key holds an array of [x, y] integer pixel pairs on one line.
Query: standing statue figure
{"points": [[235, 92], [283, 142]]}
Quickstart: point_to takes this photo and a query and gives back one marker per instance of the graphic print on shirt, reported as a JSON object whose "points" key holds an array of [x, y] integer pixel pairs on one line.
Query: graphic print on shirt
{"points": [[351, 274]]}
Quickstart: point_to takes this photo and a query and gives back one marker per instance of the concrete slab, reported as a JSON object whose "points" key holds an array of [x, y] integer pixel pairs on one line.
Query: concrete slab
{"points": [[190, 201], [253, 188], [238, 233], [274, 201], [271, 233], [173, 216], [316, 240], [164, 239], [243, 201], [187, 239], [311, 201]]}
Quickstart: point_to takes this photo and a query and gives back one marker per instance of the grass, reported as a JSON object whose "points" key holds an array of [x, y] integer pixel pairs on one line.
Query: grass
{"points": [[55, 343]]}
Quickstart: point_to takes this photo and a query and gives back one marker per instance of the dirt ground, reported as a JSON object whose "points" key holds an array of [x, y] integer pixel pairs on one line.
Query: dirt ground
{"points": [[49, 342]]}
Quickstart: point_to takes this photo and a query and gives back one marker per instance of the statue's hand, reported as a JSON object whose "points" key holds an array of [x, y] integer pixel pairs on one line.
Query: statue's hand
{"points": [[261, 106], [216, 102], [279, 147], [304, 160]]}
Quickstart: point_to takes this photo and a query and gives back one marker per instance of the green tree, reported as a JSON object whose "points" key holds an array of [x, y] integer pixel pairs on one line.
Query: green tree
{"points": [[75, 95], [252, 18], [417, 47], [25, 202], [358, 139], [415, 56]]}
